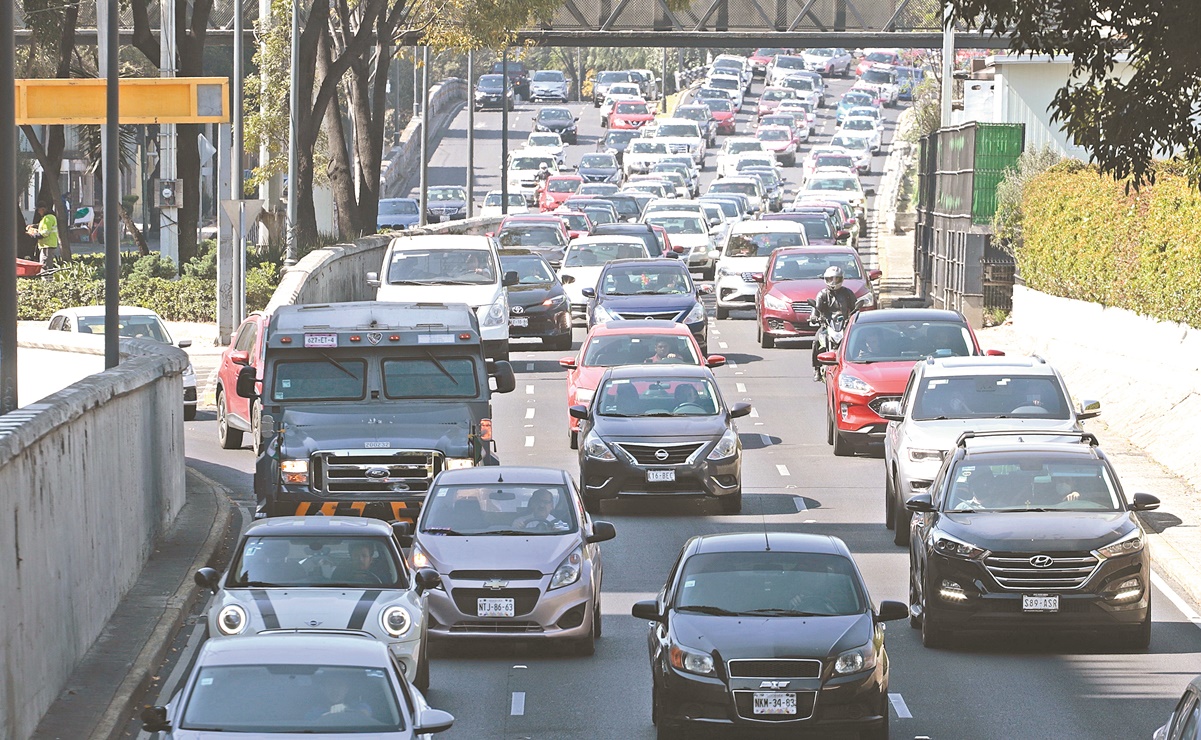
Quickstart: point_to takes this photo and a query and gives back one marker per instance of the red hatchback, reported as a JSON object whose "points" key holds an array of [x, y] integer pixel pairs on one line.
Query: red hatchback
{"points": [[723, 112], [237, 415], [628, 114], [557, 189], [874, 363], [791, 282]]}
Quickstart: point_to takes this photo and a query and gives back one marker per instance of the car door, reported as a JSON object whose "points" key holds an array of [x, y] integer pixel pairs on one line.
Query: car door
{"points": [[895, 429], [1185, 719], [246, 340]]}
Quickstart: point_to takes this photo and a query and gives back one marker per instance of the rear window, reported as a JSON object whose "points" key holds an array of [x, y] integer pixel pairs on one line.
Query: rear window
{"points": [[990, 397]]}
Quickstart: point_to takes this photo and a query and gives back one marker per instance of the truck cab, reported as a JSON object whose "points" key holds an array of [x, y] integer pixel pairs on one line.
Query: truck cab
{"points": [[363, 403]]}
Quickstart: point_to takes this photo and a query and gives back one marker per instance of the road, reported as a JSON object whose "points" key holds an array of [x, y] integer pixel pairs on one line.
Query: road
{"points": [[989, 686]]}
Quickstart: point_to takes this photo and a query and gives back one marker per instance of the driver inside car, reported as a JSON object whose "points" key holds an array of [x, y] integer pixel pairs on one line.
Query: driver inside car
{"points": [[361, 568], [541, 516]]}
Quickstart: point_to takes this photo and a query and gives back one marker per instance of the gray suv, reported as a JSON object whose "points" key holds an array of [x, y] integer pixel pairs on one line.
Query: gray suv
{"points": [[946, 397]]}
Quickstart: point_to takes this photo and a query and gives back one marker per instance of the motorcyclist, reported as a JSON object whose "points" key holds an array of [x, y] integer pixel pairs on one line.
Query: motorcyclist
{"points": [[835, 298], [543, 173]]}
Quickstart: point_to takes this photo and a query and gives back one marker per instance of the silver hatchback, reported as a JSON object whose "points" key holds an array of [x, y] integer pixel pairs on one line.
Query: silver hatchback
{"points": [[516, 553]]}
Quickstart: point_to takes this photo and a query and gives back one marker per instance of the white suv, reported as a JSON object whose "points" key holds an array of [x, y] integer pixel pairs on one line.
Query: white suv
{"points": [[946, 397]]}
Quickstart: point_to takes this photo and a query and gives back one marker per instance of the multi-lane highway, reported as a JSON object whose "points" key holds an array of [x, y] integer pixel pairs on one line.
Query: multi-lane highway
{"points": [[985, 686]]}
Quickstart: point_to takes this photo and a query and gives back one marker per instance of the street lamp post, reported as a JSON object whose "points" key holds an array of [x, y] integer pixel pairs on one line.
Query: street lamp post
{"points": [[293, 142], [8, 214]]}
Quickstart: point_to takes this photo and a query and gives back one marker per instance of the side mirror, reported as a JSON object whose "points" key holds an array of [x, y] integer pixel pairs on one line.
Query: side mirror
{"points": [[757, 277], [184, 343], [842, 234], [492, 233], [154, 719], [403, 532], [994, 353], [705, 289], [1144, 502], [891, 410], [510, 278], [426, 579], [1088, 409], [506, 382], [827, 358], [239, 357], [869, 191], [646, 610], [588, 292], [567, 362], [715, 361], [373, 279], [207, 578], [433, 721], [678, 248], [891, 611], [739, 410], [874, 275], [247, 378], [922, 502], [602, 532], [578, 412], [567, 279]]}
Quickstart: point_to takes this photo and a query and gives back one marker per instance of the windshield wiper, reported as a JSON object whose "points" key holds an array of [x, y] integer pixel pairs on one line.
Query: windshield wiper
{"points": [[411, 282], [716, 611], [513, 531], [454, 282], [442, 530], [1023, 509], [660, 413], [257, 584], [777, 612], [338, 365], [440, 366]]}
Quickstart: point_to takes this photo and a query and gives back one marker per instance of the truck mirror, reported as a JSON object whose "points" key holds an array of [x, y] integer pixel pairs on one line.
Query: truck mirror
{"points": [[247, 378], [506, 382], [373, 279]]}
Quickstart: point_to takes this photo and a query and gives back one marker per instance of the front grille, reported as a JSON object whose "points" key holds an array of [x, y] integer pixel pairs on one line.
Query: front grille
{"points": [[488, 575], [744, 702], [879, 401], [505, 628], [642, 315], [524, 599], [375, 471], [802, 308], [774, 668], [1015, 571], [644, 454]]}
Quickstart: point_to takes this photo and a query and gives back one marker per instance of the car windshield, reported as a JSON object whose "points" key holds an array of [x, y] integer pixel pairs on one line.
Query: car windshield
{"points": [[398, 208], [618, 139], [595, 254], [574, 222], [990, 397], [566, 185], [783, 62], [554, 114], [879, 77], [1025, 481], [146, 327], [850, 142], [533, 235], [782, 120], [609, 78], [639, 109], [822, 52], [770, 583], [645, 279], [625, 206], [833, 183], [720, 105], [430, 377], [907, 341], [686, 130], [761, 245], [803, 84], [726, 186], [817, 228], [665, 396], [447, 194], [544, 75], [738, 147], [493, 199], [769, 52], [880, 56], [550, 140], [327, 379], [863, 111], [775, 134], [442, 267], [500, 509], [491, 82], [834, 160], [725, 83], [530, 163], [857, 98], [598, 161], [646, 146], [728, 207], [859, 124], [292, 698], [679, 224], [698, 114], [811, 265], [316, 561], [530, 268]]}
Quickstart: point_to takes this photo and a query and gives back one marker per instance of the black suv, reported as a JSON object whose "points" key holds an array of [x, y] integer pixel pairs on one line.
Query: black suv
{"points": [[1022, 530], [519, 76]]}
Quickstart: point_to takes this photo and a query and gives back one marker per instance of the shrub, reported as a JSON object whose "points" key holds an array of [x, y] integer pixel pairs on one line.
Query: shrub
{"points": [[154, 265], [1007, 220], [261, 282]]}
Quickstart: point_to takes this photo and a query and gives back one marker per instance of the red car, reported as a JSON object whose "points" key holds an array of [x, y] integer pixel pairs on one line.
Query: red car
{"points": [[791, 282], [556, 189], [237, 415], [629, 114], [874, 363], [577, 222], [877, 57], [761, 57], [770, 99], [723, 113], [626, 343]]}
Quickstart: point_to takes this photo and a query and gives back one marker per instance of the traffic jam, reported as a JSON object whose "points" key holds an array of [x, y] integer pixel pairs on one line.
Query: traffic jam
{"points": [[398, 524]]}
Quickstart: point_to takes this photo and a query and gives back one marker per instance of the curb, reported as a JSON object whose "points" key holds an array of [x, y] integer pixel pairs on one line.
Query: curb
{"points": [[1173, 566], [132, 689]]}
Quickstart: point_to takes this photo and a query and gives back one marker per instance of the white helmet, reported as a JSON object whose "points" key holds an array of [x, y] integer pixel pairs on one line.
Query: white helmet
{"points": [[542, 167], [833, 276]]}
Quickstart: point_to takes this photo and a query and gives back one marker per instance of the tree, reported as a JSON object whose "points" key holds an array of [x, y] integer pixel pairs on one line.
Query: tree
{"points": [[1123, 123]]}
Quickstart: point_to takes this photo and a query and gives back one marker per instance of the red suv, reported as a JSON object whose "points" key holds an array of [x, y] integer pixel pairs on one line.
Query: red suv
{"points": [[791, 282], [874, 363], [237, 415]]}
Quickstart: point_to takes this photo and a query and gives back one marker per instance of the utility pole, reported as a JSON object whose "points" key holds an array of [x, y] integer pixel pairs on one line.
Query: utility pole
{"points": [[237, 170], [470, 133], [293, 140], [504, 132], [107, 41], [8, 214], [948, 64], [425, 132], [168, 168]]}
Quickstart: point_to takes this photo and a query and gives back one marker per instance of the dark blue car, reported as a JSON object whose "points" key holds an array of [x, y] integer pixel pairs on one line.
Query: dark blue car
{"points": [[641, 289], [397, 214], [600, 167]]}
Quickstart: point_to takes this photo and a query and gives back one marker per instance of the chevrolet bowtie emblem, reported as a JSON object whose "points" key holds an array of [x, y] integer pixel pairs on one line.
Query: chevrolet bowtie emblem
{"points": [[773, 684], [496, 584]]}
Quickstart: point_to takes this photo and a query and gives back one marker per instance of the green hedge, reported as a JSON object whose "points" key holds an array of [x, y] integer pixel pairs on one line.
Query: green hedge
{"points": [[1085, 237]]}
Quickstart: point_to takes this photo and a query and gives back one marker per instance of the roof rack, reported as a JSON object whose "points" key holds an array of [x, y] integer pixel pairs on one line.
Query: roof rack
{"points": [[1088, 437]]}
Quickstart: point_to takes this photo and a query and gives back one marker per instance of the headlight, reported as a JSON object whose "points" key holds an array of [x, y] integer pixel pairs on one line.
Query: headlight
{"points": [[692, 661], [395, 621], [497, 313], [583, 396], [595, 448], [231, 620], [555, 301], [418, 558], [853, 661], [916, 455], [726, 446], [568, 571], [776, 303], [945, 544], [602, 315], [294, 471], [854, 385], [458, 463], [189, 370], [1127, 545], [696, 314]]}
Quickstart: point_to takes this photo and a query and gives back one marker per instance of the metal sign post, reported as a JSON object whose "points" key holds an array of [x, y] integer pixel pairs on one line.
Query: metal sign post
{"points": [[8, 215]]}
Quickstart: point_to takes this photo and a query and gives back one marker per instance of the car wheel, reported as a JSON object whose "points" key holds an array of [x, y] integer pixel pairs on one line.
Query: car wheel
{"points": [[766, 341], [422, 679], [573, 439], [842, 446], [256, 428], [596, 618], [1138, 638], [932, 637], [723, 312], [829, 427], [915, 620], [890, 512], [900, 520], [731, 503], [229, 439]]}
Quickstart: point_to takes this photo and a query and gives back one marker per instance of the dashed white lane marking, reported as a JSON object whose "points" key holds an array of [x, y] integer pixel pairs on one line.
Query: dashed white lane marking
{"points": [[754, 412], [741, 387], [620, 602], [766, 439], [529, 390], [517, 705], [723, 345], [529, 413], [782, 470], [1185, 608], [800, 503], [899, 706], [529, 441], [732, 364]]}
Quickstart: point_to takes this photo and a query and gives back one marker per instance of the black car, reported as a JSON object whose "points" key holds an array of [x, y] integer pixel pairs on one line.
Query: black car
{"points": [[599, 167], [491, 92], [538, 307], [559, 120], [768, 630], [1022, 530], [519, 76], [447, 202], [616, 142], [638, 231], [628, 209], [660, 429], [648, 289]]}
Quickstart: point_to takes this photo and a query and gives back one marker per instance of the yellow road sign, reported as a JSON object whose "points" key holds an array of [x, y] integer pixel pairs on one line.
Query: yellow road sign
{"points": [[143, 100]]}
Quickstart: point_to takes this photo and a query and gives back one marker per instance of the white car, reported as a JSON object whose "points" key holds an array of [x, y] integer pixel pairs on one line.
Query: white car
{"points": [[690, 230], [884, 77], [642, 154], [492, 202], [734, 64], [549, 142], [548, 84], [747, 251], [754, 159], [731, 148], [682, 136], [748, 185], [843, 187], [132, 322], [659, 205], [867, 111], [522, 171], [861, 127], [584, 260], [783, 65], [858, 145], [732, 84]]}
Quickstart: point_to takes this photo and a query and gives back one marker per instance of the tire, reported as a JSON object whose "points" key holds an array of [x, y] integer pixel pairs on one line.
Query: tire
{"points": [[1137, 638], [422, 679], [597, 626], [256, 428], [503, 353], [722, 312], [842, 446], [709, 273], [229, 439], [731, 503], [900, 520], [915, 622], [766, 341], [890, 512], [189, 413], [573, 439], [829, 427], [933, 637]]}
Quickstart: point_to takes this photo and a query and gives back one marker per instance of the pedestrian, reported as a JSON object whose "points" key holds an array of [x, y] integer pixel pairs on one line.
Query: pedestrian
{"points": [[45, 229]]}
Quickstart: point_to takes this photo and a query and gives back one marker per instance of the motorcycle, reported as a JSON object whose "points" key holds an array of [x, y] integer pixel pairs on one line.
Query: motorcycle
{"points": [[829, 337]]}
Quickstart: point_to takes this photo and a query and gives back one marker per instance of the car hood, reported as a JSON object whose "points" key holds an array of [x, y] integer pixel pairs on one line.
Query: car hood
{"points": [[943, 434], [888, 378], [399, 219], [598, 171], [662, 428], [358, 426], [802, 290], [557, 125], [658, 302], [331, 607], [453, 205], [542, 553], [1059, 531], [532, 295], [771, 637]]}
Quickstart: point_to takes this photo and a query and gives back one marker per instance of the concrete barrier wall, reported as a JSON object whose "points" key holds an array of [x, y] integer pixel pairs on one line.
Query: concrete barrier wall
{"points": [[89, 477], [1146, 373], [400, 171]]}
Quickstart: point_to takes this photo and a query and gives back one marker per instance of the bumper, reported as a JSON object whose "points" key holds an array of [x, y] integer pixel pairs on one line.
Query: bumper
{"points": [[489, 101], [407, 653], [726, 127], [734, 292], [541, 324], [548, 94], [610, 479], [498, 333], [564, 613], [856, 420], [786, 324]]}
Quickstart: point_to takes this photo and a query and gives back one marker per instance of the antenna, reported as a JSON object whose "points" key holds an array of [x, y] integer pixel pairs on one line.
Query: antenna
{"points": [[766, 541], [500, 477]]}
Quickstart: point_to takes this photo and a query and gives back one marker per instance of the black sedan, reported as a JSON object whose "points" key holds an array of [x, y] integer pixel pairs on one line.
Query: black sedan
{"points": [[768, 630], [559, 120], [649, 289], [660, 429], [600, 167], [492, 92], [538, 307]]}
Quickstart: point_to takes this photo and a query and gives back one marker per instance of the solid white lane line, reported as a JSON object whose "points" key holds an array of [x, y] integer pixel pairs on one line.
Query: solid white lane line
{"points": [[620, 602], [529, 413], [782, 470], [754, 412], [1177, 600], [529, 390], [517, 705], [899, 706], [741, 387], [723, 345], [529, 441]]}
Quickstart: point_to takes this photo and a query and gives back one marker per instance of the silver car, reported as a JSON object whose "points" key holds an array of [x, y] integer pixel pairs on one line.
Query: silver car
{"points": [[333, 573], [548, 84], [296, 684], [517, 554]]}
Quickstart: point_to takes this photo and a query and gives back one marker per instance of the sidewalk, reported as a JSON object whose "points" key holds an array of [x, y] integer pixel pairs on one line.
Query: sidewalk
{"points": [[107, 687]]}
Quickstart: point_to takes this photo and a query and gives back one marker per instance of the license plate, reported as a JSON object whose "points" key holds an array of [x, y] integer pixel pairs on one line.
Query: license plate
{"points": [[494, 607], [660, 476], [523, 321], [321, 340], [1040, 603], [774, 702]]}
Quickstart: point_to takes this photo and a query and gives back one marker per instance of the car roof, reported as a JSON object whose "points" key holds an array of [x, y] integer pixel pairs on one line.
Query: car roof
{"points": [[759, 226], [820, 249], [979, 364], [778, 541], [89, 311], [350, 526], [651, 326], [492, 474], [654, 372], [1024, 442], [909, 314], [318, 648], [621, 228]]}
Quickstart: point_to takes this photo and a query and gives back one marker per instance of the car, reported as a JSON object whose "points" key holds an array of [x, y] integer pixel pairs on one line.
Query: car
{"points": [[883, 76], [133, 322], [628, 208], [749, 186], [683, 136], [291, 685], [846, 223], [522, 171], [646, 83], [611, 101], [638, 290], [598, 210], [447, 202], [397, 214], [702, 115], [877, 57], [558, 120], [859, 145], [804, 112], [598, 189], [770, 99], [600, 167], [827, 157], [828, 61], [660, 205], [642, 154], [236, 414], [616, 143], [491, 207], [646, 233], [723, 113], [735, 206], [862, 126], [688, 171], [606, 79], [791, 282], [1185, 721], [719, 223], [548, 84], [878, 93], [673, 431], [781, 141], [521, 558], [577, 223], [783, 65], [731, 148], [797, 124], [820, 228], [745, 253], [772, 182], [538, 305], [852, 99], [690, 230], [841, 186], [292, 572], [545, 237], [761, 57], [655, 188], [586, 258], [1029, 531], [734, 65], [908, 79], [629, 114], [556, 189], [768, 629], [519, 76], [549, 142], [492, 92], [732, 84]]}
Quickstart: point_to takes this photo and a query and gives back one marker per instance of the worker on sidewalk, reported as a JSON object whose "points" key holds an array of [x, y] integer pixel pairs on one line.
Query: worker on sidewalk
{"points": [[45, 229]]}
